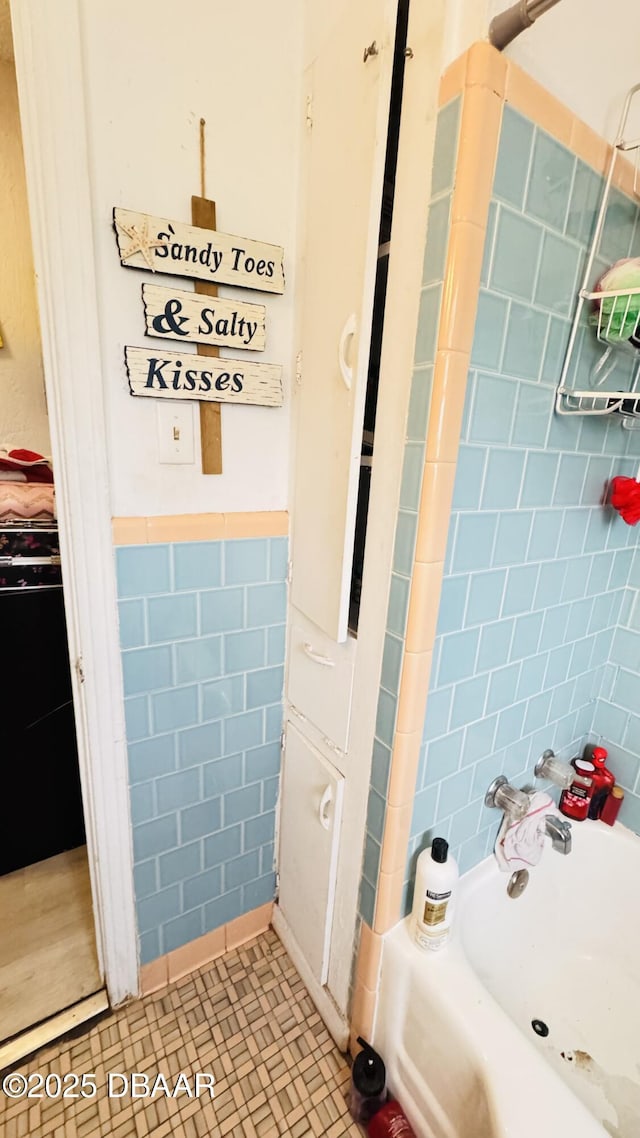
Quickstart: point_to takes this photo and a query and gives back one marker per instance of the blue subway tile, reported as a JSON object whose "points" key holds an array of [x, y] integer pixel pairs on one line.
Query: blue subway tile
{"points": [[514, 154], [571, 475], [142, 803], [488, 337], [273, 722], [558, 274], [152, 757], [172, 617], [515, 257], [182, 930], [572, 533], [199, 659], [454, 793], [584, 203], [223, 697], [419, 400], [464, 824], [539, 479], [222, 846], [510, 725], [554, 353], [157, 908], [175, 708], [468, 701], [200, 820], [453, 598], [375, 814], [618, 227], [176, 790], [136, 714], [428, 321], [406, 526], [266, 604], [244, 650], [278, 555], [520, 590], [222, 910], [259, 831], [276, 641], [437, 716], [553, 629], [524, 345], [469, 476], [445, 148], [259, 892], [474, 541], [485, 596], [424, 810], [197, 564], [145, 878], [264, 686], [149, 946], [502, 687], [199, 744], [180, 864], [526, 635], [512, 537], [457, 661], [412, 471], [479, 740], [222, 610], [146, 669], [495, 640], [242, 731], [270, 791], [503, 479], [245, 561], [155, 837], [241, 869], [386, 716], [493, 409], [487, 256], [222, 775], [533, 412], [537, 712], [380, 765], [202, 888], [545, 533], [532, 676], [550, 583], [262, 762], [241, 804], [131, 620], [398, 605], [437, 241], [550, 181], [143, 570]]}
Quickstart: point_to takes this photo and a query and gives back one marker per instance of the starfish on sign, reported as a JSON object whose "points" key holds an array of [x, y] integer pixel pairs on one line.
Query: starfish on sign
{"points": [[140, 242]]}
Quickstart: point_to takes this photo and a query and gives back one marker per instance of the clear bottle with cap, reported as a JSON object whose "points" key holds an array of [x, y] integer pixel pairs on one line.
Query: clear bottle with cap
{"points": [[434, 896], [368, 1091]]}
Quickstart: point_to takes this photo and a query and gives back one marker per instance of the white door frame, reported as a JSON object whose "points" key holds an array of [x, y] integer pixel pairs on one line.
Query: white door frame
{"points": [[48, 57]]}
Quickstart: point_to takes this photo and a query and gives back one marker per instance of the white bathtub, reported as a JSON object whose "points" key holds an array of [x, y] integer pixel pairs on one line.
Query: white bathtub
{"points": [[455, 1027]]}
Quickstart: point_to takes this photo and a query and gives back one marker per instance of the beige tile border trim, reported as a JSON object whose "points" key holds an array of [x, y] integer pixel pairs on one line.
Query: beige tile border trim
{"points": [[174, 965], [199, 527]]}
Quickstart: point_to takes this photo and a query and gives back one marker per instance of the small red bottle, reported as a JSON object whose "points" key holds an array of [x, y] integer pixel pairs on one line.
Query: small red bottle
{"points": [[612, 804], [574, 802], [390, 1122], [603, 781]]}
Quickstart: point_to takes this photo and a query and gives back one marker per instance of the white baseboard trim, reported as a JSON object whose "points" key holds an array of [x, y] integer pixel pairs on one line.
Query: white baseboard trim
{"points": [[336, 1023]]}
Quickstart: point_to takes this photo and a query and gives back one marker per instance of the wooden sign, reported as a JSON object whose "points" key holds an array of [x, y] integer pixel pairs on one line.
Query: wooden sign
{"points": [[162, 246], [177, 315], [178, 375]]}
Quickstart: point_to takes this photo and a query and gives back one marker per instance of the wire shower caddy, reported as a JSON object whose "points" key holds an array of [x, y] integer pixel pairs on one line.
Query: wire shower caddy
{"points": [[618, 314]]}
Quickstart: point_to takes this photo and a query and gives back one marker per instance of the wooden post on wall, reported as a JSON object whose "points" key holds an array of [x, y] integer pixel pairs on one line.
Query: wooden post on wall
{"points": [[203, 214]]}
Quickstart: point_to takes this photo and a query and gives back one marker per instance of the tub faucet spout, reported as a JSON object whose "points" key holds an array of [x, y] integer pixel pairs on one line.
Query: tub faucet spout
{"points": [[559, 830]]}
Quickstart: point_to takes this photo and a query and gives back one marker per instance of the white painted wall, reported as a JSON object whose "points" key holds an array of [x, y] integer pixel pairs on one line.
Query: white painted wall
{"points": [[151, 71], [23, 410], [584, 51]]}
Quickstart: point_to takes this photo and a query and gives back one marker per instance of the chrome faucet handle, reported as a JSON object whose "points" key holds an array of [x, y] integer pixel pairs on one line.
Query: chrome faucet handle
{"points": [[555, 770], [559, 830], [502, 796]]}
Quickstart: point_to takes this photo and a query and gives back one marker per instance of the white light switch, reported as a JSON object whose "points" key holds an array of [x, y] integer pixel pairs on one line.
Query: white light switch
{"points": [[175, 432]]}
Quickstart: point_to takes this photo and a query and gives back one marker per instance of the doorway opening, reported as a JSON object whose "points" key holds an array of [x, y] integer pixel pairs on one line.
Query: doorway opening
{"points": [[48, 950]]}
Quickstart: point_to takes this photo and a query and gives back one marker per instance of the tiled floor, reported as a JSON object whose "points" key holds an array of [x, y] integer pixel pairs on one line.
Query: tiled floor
{"points": [[246, 1018]]}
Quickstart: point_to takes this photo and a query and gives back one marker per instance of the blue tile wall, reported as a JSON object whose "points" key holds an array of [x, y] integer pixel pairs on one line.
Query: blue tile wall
{"points": [[538, 640], [202, 628]]}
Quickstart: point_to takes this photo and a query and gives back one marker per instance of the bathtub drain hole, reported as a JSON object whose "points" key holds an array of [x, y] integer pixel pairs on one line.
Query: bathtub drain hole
{"points": [[540, 1027]]}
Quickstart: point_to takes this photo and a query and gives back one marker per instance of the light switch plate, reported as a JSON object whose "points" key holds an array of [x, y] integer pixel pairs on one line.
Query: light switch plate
{"points": [[175, 432]]}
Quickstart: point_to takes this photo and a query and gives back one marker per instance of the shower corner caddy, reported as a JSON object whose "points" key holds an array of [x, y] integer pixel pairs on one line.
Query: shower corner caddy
{"points": [[618, 322]]}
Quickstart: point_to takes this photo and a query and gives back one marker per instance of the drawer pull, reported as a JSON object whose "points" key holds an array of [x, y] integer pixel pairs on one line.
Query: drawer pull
{"points": [[317, 657], [324, 811]]}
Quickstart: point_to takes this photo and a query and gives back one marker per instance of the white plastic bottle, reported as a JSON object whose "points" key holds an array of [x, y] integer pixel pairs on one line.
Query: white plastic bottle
{"points": [[434, 896]]}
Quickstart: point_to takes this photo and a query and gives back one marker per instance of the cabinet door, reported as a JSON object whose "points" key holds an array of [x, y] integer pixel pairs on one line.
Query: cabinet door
{"points": [[347, 116], [311, 808]]}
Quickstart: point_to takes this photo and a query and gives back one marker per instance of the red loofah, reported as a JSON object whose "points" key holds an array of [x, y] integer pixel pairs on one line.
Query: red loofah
{"points": [[625, 498]]}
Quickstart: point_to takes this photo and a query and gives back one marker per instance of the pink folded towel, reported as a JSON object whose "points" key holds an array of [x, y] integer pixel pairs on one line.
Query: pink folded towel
{"points": [[520, 845]]}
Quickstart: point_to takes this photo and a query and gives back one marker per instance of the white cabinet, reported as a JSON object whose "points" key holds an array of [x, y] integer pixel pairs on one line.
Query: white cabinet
{"points": [[347, 115], [311, 809], [320, 678]]}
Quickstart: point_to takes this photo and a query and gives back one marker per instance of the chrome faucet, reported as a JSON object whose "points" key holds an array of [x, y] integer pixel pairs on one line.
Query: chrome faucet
{"points": [[559, 830]]}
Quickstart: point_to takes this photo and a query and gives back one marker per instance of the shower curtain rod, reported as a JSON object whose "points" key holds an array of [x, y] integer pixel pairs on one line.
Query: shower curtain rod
{"points": [[508, 24]]}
